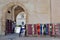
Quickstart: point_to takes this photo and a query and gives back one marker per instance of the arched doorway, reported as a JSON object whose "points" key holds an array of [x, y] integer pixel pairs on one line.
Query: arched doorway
{"points": [[21, 23], [21, 18], [10, 13]]}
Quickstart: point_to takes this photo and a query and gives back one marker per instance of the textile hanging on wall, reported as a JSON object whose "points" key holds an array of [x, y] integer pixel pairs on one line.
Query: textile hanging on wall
{"points": [[35, 29], [57, 29], [44, 28], [29, 29], [38, 29], [47, 29], [52, 30]]}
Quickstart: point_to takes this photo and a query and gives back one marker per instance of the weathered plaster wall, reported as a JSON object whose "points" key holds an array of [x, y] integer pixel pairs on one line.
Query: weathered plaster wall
{"points": [[38, 10], [55, 8]]}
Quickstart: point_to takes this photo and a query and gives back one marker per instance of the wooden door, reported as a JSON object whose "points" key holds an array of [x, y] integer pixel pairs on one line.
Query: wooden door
{"points": [[8, 27]]}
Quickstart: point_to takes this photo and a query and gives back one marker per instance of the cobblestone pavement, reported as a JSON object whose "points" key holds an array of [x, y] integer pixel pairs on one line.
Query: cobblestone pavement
{"points": [[16, 37]]}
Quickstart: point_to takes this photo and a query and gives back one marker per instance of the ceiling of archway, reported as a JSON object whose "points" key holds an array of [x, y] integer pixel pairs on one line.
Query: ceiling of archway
{"points": [[17, 10]]}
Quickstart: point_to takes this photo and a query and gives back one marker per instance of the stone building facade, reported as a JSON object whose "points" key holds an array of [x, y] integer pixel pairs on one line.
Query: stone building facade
{"points": [[38, 11]]}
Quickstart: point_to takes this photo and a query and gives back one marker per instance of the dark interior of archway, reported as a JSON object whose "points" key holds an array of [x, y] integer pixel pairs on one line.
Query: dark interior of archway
{"points": [[17, 10]]}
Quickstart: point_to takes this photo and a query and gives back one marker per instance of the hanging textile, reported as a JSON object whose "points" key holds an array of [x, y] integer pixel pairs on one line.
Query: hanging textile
{"points": [[32, 29], [53, 30], [44, 28], [29, 29], [57, 29], [47, 29], [38, 29], [35, 29]]}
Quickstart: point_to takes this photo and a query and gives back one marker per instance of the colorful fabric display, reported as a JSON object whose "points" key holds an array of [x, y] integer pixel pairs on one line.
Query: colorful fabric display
{"points": [[57, 29], [35, 29], [53, 30], [50, 29], [29, 29], [38, 29], [47, 29], [44, 28]]}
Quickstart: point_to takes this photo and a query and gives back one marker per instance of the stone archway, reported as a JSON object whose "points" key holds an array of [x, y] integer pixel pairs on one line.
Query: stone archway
{"points": [[5, 9]]}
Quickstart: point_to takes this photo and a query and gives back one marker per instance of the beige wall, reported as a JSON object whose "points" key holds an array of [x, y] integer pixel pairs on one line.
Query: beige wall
{"points": [[39, 10], [55, 8]]}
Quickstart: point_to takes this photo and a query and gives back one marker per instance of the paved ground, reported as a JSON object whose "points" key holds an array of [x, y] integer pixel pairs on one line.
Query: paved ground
{"points": [[16, 37]]}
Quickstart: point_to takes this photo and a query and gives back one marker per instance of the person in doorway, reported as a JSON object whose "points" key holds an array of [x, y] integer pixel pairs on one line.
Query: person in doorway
{"points": [[20, 31], [25, 30], [13, 26]]}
